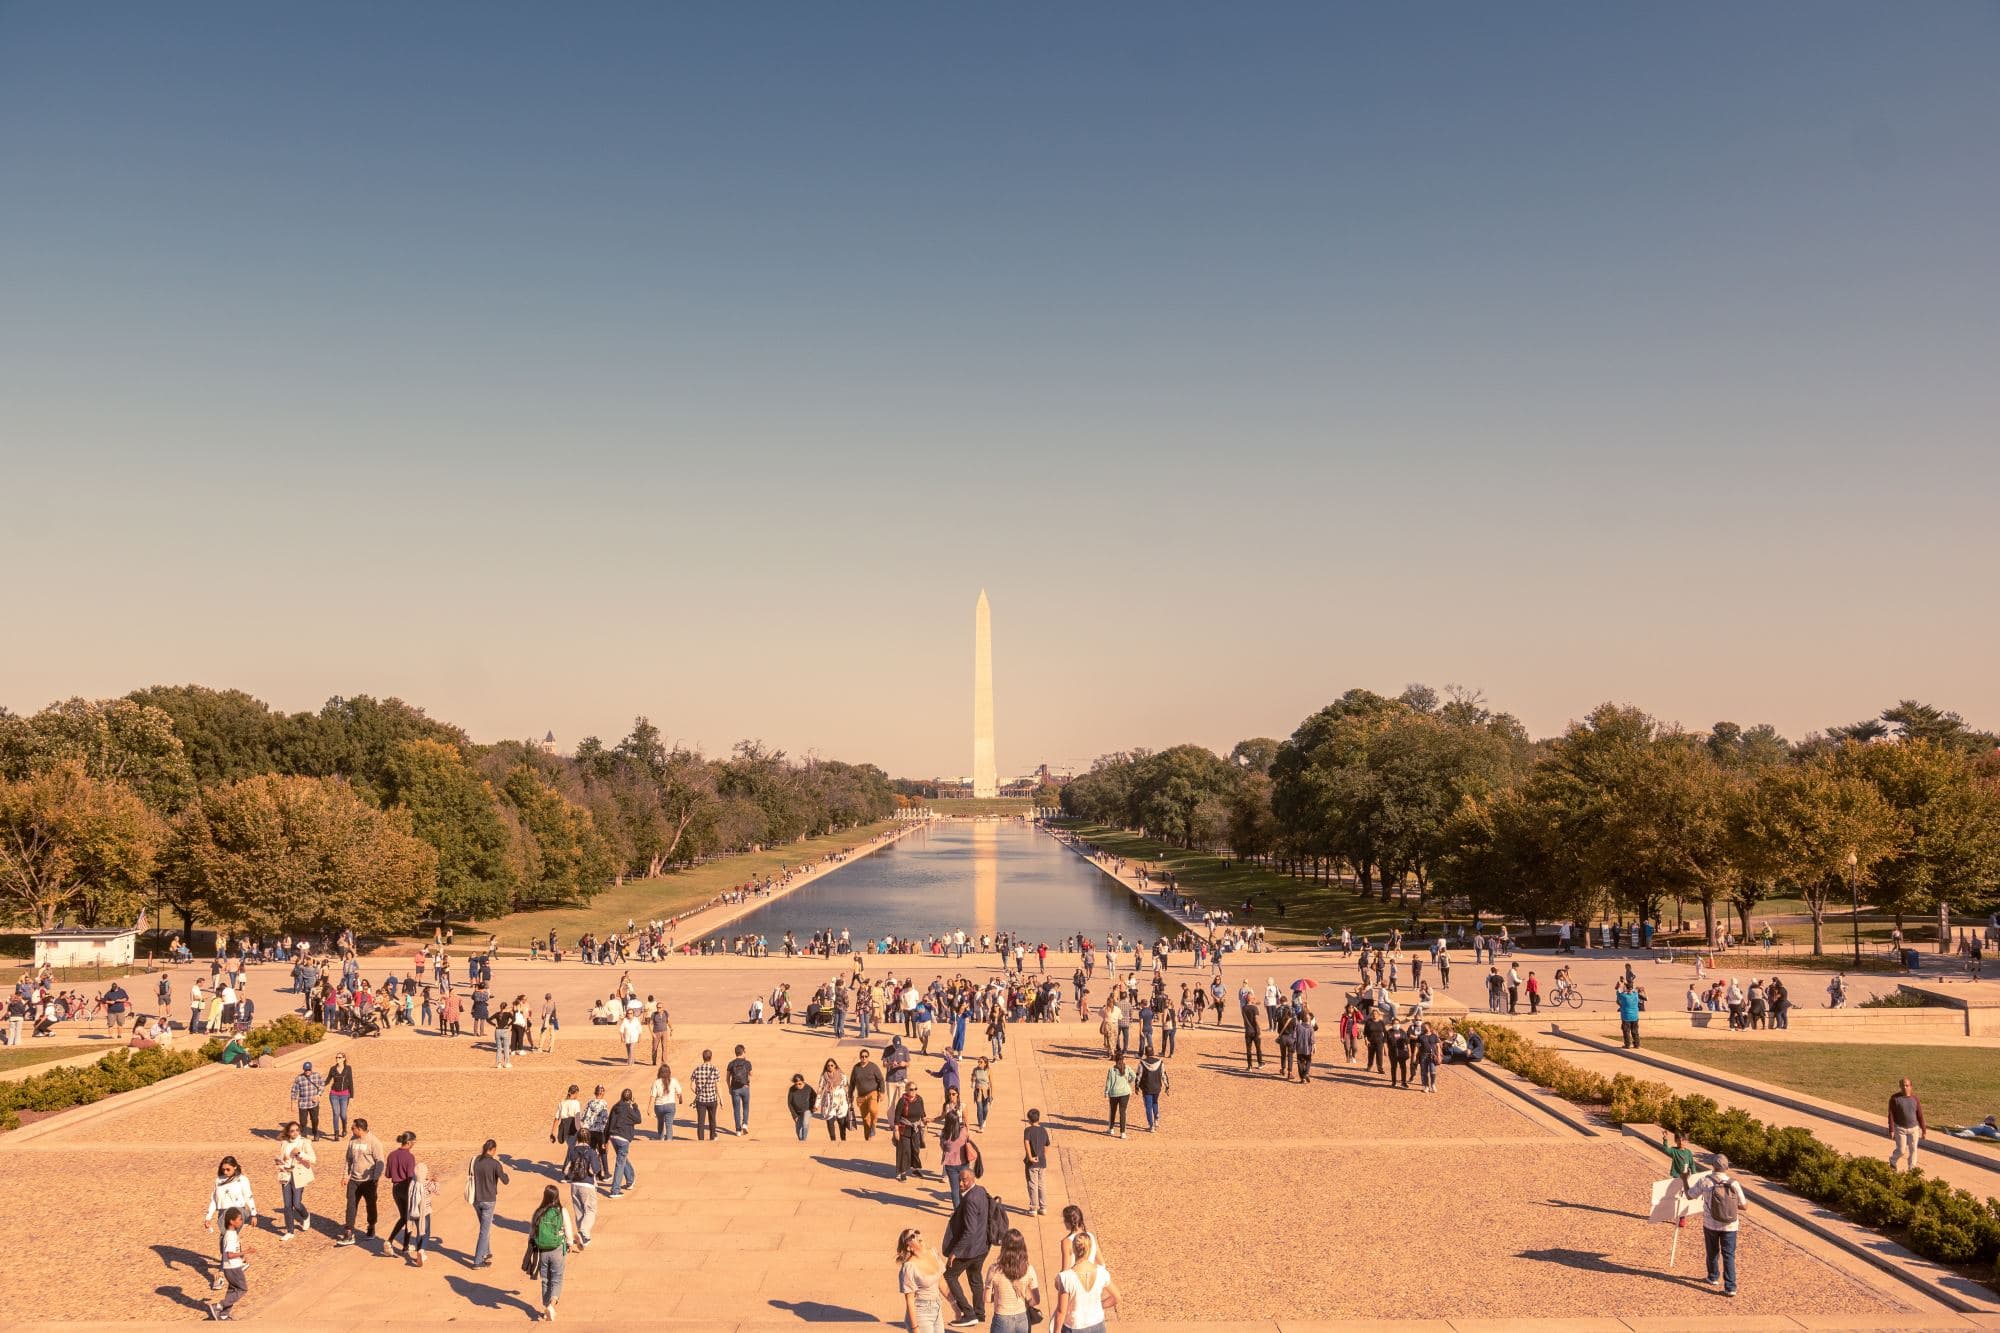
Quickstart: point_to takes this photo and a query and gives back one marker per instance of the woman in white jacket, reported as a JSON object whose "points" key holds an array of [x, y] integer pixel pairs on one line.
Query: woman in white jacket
{"points": [[232, 1190], [296, 1160]]}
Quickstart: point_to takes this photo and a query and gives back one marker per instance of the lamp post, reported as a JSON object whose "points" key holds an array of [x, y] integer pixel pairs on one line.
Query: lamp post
{"points": [[1854, 891]]}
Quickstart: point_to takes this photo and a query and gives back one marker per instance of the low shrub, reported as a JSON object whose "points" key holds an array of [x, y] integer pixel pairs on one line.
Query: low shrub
{"points": [[1939, 1222], [124, 1070], [1901, 999]]}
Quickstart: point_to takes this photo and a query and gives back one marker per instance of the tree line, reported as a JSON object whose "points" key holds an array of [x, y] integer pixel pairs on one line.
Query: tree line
{"points": [[366, 813], [1442, 799]]}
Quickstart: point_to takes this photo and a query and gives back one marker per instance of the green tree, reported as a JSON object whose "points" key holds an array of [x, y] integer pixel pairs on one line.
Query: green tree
{"points": [[226, 734], [457, 812], [569, 862], [73, 845], [115, 740], [274, 853], [1950, 815], [1802, 822]]}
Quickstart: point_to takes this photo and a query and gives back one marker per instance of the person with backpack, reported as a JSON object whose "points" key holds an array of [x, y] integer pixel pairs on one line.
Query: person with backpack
{"points": [[1152, 1086], [551, 1240], [967, 1238], [1722, 1205]]}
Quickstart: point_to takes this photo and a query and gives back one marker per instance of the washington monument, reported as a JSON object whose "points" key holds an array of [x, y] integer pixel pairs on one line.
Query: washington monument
{"points": [[985, 782]]}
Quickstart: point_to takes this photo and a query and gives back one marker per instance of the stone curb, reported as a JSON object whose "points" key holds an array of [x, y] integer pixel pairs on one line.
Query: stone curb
{"points": [[1944, 1148], [1548, 1103], [1905, 1266], [83, 1115]]}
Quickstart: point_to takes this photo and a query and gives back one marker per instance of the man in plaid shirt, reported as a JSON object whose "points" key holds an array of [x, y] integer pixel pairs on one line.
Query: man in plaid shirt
{"points": [[706, 1079], [307, 1089]]}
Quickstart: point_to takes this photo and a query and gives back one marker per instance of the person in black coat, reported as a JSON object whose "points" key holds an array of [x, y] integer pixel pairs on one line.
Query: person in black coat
{"points": [[965, 1246]]}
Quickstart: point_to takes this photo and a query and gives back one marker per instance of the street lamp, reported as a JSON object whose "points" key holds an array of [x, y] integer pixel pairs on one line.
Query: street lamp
{"points": [[1854, 891]]}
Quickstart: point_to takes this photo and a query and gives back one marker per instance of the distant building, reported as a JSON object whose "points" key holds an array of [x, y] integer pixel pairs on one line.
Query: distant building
{"points": [[76, 946], [547, 744]]}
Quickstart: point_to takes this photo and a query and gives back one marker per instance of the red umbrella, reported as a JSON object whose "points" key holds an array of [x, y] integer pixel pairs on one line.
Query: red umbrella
{"points": [[1305, 983]]}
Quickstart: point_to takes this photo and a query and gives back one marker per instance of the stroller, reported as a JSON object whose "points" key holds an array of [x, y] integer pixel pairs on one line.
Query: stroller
{"points": [[365, 1025]]}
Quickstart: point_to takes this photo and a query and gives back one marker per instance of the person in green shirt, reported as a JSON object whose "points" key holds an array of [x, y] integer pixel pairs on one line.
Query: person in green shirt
{"points": [[1680, 1158]]}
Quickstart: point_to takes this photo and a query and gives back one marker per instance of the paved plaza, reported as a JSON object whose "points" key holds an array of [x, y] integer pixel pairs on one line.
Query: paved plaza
{"points": [[1257, 1201]]}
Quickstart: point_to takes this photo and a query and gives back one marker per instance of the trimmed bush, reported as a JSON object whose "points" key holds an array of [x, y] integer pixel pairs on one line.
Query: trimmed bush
{"points": [[1939, 1222], [124, 1070]]}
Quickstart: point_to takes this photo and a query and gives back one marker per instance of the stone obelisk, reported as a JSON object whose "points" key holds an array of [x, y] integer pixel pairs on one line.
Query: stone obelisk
{"points": [[985, 781]]}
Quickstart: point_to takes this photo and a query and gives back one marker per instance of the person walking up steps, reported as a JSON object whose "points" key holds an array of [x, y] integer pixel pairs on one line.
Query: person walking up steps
{"points": [[739, 1092], [1906, 1125], [364, 1176], [231, 1192], [1035, 1156], [296, 1159], [967, 1238], [707, 1082], [232, 1265], [1722, 1205], [484, 1177]]}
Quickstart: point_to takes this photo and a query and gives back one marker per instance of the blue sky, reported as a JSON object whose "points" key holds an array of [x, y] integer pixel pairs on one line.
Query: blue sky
{"points": [[547, 365]]}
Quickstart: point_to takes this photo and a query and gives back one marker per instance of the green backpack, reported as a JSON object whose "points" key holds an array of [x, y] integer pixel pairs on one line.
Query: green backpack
{"points": [[549, 1229]]}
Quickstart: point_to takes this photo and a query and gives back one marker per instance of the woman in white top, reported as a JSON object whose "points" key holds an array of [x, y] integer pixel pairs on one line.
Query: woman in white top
{"points": [[232, 1190], [628, 1032], [1011, 1286], [666, 1096], [833, 1106], [569, 1113], [296, 1160], [1085, 1291], [1072, 1217]]}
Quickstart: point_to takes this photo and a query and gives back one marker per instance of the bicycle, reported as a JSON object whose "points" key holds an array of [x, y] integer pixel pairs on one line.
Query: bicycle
{"points": [[1569, 993]]}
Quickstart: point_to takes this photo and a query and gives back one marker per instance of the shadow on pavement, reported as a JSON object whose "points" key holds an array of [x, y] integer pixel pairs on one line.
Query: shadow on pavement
{"points": [[488, 1297], [818, 1312]]}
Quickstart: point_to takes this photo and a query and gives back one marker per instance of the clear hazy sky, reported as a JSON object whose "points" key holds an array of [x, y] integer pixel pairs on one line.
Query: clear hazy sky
{"points": [[548, 364]]}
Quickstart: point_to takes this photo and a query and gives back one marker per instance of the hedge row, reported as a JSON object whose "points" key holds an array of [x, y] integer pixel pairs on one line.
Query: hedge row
{"points": [[1939, 1222], [124, 1070]]}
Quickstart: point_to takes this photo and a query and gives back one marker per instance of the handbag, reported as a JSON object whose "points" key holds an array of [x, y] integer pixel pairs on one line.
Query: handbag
{"points": [[471, 1183], [531, 1262]]}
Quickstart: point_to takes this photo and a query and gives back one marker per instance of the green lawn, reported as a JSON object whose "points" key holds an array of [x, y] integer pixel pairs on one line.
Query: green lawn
{"points": [[982, 805], [1958, 1086], [35, 1053], [678, 891], [1212, 882]]}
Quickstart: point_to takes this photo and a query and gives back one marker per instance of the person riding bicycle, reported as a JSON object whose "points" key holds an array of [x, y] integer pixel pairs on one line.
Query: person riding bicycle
{"points": [[1563, 987]]}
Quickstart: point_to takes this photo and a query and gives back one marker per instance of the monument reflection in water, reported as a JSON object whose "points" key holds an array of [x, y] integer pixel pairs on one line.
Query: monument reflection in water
{"points": [[984, 875]]}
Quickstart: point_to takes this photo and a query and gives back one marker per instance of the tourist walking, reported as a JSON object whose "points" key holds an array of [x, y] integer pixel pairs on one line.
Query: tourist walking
{"points": [[486, 1174], [1253, 1040], [666, 1096], [739, 1092], [581, 1169], [1035, 1158], [1722, 1204], [907, 1123], [831, 1102], [1152, 1084], [401, 1169], [422, 1188], [662, 1029], [339, 1093], [296, 1159], [307, 1090], [364, 1175], [553, 1239], [503, 1037], [629, 1031], [1085, 1290], [919, 1274], [800, 1101], [566, 1128], [1302, 1038], [1118, 1084], [1012, 1287], [231, 1272], [966, 1243], [1906, 1125], [707, 1082], [624, 1124], [982, 1091], [864, 1092], [231, 1190]]}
